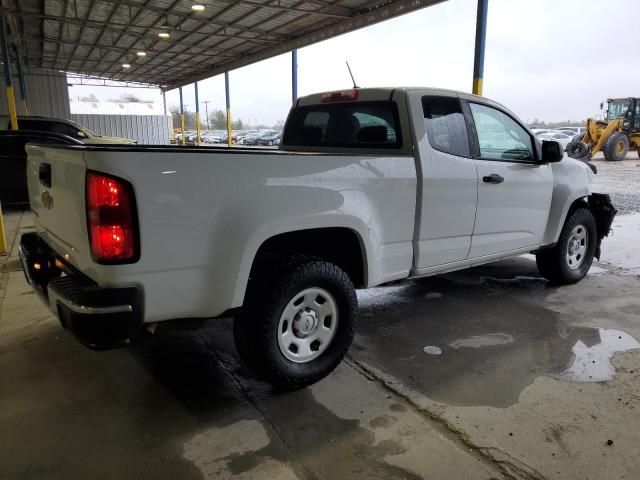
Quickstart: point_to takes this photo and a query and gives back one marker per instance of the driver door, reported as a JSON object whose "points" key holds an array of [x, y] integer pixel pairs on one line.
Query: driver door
{"points": [[514, 189]]}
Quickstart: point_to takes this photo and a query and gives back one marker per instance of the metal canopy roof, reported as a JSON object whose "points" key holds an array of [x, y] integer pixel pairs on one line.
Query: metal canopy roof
{"points": [[96, 37]]}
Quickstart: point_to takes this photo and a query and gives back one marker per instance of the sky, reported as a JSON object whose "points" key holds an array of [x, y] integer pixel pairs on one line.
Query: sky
{"points": [[553, 60]]}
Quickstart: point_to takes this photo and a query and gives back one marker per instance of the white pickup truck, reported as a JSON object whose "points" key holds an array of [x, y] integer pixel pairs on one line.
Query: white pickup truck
{"points": [[367, 187]]}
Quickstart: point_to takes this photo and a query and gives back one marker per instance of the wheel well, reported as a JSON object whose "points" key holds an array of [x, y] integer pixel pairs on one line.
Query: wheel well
{"points": [[578, 203], [340, 246]]}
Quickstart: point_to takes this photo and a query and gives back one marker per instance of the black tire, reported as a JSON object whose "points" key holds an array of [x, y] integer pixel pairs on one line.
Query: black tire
{"points": [[616, 147], [256, 331], [554, 264], [578, 149]]}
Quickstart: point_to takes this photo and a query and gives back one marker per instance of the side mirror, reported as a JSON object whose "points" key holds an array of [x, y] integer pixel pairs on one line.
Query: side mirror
{"points": [[601, 105], [551, 152]]}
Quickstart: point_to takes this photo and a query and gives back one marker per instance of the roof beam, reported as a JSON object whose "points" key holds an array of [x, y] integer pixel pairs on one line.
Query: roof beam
{"points": [[86, 17], [61, 30], [206, 53], [117, 27], [328, 8]]}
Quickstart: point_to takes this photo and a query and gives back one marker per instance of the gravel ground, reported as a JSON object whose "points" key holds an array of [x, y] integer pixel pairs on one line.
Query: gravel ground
{"points": [[621, 180]]}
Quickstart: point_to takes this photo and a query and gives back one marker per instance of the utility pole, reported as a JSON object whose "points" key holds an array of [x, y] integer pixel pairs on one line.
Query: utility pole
{"points": [[206, 111]]}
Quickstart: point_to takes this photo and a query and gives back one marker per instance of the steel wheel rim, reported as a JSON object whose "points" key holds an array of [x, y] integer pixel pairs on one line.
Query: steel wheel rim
{"points": [[577, 246], [308, 325], [620, 147]]}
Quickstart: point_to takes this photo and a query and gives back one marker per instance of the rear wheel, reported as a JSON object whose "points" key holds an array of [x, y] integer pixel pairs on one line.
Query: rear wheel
{"points": [[298, 324], [569, 261], [616, 147]]}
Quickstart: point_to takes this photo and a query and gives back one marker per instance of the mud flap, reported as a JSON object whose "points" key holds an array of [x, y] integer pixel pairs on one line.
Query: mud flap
{"points": [[604, 212]]}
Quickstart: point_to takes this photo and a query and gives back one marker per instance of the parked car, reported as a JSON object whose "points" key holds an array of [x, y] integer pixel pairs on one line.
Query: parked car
{"points": [[563, 138], [573, 131], [280, 239], [64, 127], [13, 161], [211, 138], [269, 138], [250, 139]]}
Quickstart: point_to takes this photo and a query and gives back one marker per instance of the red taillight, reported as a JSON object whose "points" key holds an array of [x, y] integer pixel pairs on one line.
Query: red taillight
{"points": [[339, 96], [110, 218]]}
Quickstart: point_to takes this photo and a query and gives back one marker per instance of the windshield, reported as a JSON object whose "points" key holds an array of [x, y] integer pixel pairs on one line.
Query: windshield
{"points": [[617, 109]]}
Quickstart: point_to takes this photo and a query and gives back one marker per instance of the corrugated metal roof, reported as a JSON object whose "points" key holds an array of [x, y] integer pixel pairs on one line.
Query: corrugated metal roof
{"points": [[96, 37]]}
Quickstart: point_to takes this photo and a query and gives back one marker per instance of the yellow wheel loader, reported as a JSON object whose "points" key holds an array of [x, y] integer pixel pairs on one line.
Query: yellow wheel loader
{"points": [[615, 136]]}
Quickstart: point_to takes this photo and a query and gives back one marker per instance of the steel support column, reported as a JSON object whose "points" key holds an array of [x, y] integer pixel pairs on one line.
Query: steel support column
{"points": [[6, 58], [197, 114], [294, 75], [182, 139], [21, 81], [481, 33], [228, 99]]}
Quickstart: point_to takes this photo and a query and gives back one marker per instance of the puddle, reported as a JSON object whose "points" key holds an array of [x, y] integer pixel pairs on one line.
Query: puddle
{"points": [[593, 363], [596, 271], [432, 350], [497, 329], [478, 341]]}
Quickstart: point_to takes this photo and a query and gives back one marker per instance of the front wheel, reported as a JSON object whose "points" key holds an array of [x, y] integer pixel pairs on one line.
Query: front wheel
{"points": [[616, 147], [570, 259], [298, 324]]}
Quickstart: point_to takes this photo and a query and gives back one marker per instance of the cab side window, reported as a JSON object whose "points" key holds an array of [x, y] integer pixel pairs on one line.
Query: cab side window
{"points": [[499, 136], [445, 125]]}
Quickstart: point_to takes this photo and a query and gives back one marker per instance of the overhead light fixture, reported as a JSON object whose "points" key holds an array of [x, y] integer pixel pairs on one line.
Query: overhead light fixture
{"points": [[141, 54], [126, 65], [197, 7], [164, 35]]}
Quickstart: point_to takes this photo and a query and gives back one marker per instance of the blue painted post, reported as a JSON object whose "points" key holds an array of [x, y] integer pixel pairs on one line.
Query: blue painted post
{"points": [[294, 75], [197, 115], [481, 34]]}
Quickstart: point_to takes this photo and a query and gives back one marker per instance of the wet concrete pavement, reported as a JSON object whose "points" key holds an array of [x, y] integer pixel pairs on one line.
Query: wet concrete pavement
{"points": [[501, 400]]}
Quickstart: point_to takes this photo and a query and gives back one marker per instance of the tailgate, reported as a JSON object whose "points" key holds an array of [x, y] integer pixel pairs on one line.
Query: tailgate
{"points": [[56, 181]]}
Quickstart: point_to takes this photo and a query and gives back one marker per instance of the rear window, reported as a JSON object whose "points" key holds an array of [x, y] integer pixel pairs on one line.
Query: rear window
{"points": [[346, 125], [445, 125]]}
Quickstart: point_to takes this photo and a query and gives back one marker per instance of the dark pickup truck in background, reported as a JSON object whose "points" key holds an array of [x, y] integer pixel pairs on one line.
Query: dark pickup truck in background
{"points": [[13, 161]]}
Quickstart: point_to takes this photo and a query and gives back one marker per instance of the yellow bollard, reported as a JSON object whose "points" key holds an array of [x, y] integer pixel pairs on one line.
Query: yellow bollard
{"points": [[3, 241], [12, 109]]}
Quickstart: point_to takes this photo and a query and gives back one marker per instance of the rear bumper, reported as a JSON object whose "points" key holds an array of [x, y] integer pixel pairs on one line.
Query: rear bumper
{"points": [[101, 318]]}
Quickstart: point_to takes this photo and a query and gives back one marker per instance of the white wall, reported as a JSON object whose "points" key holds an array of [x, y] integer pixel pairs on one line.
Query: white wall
{"points": [[145, 129], [47, 96]]}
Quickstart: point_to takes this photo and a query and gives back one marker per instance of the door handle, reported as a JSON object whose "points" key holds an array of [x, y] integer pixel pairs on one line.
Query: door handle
{"points": [[44, 174], [493, 178]]}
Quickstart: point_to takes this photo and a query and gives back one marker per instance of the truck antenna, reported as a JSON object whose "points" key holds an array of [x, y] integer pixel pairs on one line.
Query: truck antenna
{"points": [[352, 79]]}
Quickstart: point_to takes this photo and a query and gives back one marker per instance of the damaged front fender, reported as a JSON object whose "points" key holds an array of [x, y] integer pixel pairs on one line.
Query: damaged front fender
{"points": [[604, 212]]}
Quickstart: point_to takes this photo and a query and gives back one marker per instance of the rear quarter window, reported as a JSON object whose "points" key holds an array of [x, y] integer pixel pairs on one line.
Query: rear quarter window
{"points": [[346, 125]]}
